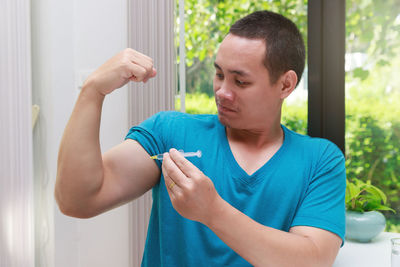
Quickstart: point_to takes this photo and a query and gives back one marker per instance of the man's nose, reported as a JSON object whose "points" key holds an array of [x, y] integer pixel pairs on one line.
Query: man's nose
{"points": [[224, 92]]}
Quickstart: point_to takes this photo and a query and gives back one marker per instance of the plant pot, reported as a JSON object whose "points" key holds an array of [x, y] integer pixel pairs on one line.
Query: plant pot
{"points": [[363, 226]]}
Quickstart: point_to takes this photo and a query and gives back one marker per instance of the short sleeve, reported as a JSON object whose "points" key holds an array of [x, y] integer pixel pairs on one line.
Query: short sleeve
{"points": [[324, 203], [149, 135]]}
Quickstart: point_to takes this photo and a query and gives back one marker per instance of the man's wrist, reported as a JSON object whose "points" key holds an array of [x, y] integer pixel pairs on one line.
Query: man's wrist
{"points": [[217, 210], [89, 90]]}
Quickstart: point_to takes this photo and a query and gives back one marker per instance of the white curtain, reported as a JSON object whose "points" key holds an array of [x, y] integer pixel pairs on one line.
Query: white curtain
{"points": [[16, 185], [151, 31]]}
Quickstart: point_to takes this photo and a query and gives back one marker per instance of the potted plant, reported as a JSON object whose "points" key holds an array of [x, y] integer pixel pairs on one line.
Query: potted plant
{"points": [[363, 203]]}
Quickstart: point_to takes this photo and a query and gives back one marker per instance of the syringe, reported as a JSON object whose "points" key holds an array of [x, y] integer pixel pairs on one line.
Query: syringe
{"points": [[185, 154]]}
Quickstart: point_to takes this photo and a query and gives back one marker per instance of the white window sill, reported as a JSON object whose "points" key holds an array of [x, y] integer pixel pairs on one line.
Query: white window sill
{"points": [[373, 254]]}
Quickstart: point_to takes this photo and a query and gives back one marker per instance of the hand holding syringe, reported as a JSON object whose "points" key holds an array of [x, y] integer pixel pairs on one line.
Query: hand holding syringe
{"points": [[185, 154]]}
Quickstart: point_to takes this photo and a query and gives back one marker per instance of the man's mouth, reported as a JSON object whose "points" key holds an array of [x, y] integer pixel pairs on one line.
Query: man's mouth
{"points": [[224, 108]]}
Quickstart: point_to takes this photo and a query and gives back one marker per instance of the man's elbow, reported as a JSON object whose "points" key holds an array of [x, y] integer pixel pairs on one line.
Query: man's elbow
{"points": [[316, 261], [72, 210], [323, 258]]}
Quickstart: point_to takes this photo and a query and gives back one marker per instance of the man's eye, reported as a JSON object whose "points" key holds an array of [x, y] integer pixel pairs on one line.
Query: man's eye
{"points": [[240, 83], [219, 76]]}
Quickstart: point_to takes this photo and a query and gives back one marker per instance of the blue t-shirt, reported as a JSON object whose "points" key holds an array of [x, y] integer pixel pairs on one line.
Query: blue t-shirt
{"points": [[302, 184]]}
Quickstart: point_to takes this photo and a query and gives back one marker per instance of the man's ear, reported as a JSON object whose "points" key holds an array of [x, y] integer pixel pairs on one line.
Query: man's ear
{"points": [[288, 83]]}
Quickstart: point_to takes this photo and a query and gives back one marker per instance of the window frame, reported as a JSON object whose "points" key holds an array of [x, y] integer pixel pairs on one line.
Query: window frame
{"points": [[326, 65]]}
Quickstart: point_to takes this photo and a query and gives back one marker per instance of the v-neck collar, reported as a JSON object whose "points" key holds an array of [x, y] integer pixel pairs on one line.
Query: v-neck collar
{"points": [[237, 171]]}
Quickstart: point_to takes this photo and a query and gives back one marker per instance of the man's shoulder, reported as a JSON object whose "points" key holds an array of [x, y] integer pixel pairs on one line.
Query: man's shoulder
{"points": [[315, 144], [180, 118], [179, 114], [173, 123]]}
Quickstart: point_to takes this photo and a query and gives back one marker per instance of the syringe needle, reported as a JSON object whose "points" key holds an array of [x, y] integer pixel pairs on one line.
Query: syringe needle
{"points": [[185, 154]]}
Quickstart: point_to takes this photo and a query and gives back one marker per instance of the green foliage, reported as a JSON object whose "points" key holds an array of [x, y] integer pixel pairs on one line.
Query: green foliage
{"points": [[372, 27], [198, 103], [373, 143], [392, 225], [208, 21], [294, 117], [363, 196]]}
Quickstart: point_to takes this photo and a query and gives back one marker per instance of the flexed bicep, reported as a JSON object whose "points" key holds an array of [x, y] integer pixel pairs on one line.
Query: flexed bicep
{"points": [[129, 172]]}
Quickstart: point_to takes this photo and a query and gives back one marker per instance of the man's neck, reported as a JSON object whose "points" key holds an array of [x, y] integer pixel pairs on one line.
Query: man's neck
{"points": [[252, 149], [256, 138]]}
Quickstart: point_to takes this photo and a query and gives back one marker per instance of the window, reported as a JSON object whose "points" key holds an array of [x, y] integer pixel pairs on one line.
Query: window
{"points": [[372, 97]]}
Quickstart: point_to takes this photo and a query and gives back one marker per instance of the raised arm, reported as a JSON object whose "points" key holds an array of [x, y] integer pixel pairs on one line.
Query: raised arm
{"points": [[89, 183]]}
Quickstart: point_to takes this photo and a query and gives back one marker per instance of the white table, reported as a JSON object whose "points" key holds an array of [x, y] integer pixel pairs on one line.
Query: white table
{"points": [[377, 253]]}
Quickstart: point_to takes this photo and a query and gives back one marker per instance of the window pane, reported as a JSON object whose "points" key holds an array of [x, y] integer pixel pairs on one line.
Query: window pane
{"points": [[207, 23], [372, 97]]}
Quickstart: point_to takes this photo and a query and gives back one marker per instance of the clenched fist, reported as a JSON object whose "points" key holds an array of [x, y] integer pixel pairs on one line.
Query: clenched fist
{"points": [[127, 65]]}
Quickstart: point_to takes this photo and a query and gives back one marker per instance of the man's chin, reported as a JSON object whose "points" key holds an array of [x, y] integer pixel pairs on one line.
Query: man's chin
{"points": [[228, 122], [222, 119]]}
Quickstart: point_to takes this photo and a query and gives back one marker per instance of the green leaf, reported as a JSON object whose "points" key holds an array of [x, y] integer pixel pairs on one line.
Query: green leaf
{"points": [[352, 190], [360, 73], [382, 207], [380, 196]]}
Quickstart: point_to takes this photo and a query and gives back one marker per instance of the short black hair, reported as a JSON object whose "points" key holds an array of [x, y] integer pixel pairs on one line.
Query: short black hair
{"points": [[284, 44]]}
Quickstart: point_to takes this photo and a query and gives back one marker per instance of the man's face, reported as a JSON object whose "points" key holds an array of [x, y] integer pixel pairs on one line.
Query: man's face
{"points": [[244, 95]]}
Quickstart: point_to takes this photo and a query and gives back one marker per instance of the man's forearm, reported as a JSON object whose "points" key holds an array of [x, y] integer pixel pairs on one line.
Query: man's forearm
{"points": [[80, 172], [261, 245], [194, 196]]}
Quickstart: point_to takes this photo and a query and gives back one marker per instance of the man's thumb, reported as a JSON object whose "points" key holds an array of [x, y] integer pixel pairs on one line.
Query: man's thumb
{"points": [[153, 73]]}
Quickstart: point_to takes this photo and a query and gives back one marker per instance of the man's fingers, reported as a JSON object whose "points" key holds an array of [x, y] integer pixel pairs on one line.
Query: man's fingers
{"points": [[169, 183], [139, 55], [153, 73], [172, 171], [143, 61], [136, 72], [187, 168]]}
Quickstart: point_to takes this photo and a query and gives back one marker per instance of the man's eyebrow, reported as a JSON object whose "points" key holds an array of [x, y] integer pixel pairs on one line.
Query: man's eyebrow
{"points": [[217, 66], [238, 72]]}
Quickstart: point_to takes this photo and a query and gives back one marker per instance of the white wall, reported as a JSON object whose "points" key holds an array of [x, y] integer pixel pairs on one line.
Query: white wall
{"points": [[70, 38], [16, 176]]}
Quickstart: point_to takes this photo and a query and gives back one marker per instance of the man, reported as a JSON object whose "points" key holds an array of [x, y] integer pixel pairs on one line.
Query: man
{"points": [[260, 194]]}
